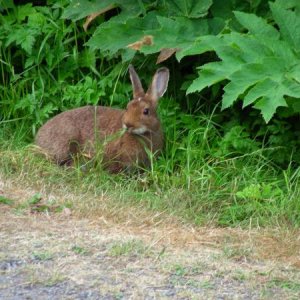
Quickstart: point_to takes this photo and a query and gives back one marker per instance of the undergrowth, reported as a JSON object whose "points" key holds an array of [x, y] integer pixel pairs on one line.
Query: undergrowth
{"points": [[226, 168], [186, 181]]}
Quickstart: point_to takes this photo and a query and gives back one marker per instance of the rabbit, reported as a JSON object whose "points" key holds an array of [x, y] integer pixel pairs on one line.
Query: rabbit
{"points": [[79, 129]]}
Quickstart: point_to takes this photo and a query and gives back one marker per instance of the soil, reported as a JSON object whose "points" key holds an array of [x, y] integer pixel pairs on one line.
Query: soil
{"points": [[61, 255]]}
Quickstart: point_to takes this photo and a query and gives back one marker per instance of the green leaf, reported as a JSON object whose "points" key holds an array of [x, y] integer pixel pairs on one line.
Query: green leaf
{"points": [[113, 36], [259, 90], [256, 25], [289, 24], [6, 201], [216, 25], [199, 46], [249, 75], [79, 9], [24, 11], [294, 72], [165, 33], [291, 88], [241, 80], [212, 73], [222, 9], [248, 48], [87, 59], [266, 87], [289, 4], [23, 36], [28, 42], [6, 4], [268, 104], [178, 33], [206, 79], [256, 68], [189, 8]]}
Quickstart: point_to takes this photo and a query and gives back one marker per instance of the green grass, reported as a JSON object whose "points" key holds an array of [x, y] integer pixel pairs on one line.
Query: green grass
{"points": [[285, 284], [42, 256], [6, 201], [79, 250], [187, 181], [218, 168], [129, 248]]}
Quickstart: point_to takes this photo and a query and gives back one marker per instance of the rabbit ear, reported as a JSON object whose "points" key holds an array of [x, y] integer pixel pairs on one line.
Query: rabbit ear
{"points": [[137, 87], [159, 84]]}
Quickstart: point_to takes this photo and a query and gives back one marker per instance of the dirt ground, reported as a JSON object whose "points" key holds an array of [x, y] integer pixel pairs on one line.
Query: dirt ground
{"points": [[61, 255]]}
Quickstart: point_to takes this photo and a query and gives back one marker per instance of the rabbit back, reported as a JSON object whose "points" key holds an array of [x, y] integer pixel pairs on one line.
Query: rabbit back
{"points": [[69, 131]]}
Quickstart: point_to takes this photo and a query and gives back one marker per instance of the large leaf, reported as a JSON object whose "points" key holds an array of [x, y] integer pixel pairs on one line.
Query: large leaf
{"points": [[199, 46], [206, 78], [134, 33], [113, 36], [212, 73], [252, 74], [268, 104], [241, 80], [178, 33], [272, 95], [235, 51], [79, 9], [258, 69], [289, 24], [289, 4], [189, 8], [247, 47], [256, 25]]}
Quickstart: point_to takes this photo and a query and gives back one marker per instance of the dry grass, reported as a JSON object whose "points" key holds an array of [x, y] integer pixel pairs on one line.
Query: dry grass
{"points": [[132, 253], [157, 229]]}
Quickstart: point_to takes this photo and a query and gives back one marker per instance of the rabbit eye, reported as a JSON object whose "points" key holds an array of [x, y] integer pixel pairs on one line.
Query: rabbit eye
{"points": [[146, 111]]}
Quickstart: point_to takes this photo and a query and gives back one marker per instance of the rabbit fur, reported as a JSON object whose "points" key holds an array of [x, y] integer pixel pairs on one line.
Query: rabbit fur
{"points": [[78, 130]]}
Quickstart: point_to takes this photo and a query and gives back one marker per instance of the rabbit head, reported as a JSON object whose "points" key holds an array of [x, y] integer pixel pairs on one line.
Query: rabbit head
{"points": [[140, 116]]}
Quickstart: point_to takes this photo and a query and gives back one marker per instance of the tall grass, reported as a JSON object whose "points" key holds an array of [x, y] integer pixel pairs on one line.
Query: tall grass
{"points": [[186, 181], [211, 171]]}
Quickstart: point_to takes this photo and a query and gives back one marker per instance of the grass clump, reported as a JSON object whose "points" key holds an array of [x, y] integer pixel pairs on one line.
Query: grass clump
{"points": [[6, 201], [190, 180], [226, 168], [129, 248]]}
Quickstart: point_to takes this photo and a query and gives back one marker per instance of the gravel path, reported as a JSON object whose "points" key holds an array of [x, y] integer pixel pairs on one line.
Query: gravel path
{"points": [[60, 256]]}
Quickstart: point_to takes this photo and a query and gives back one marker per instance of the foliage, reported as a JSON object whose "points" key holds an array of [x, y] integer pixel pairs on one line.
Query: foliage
{"points": [[41, 59], [249, 49], [262, 65], [226, 167]]}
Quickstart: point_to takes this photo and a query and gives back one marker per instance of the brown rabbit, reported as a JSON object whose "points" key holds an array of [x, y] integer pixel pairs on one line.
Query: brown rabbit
{"points": [[77, 130]]}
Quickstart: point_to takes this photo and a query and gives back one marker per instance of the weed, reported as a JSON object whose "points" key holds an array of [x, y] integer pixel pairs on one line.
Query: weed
{"points": [[180, 270], [54, 279], [217, 168], [38, 274], [79, 250], [42, 256], [239, 275], [236, 252], [5, 200], [285, 284], [35, 199], [129, 248], [118, 295], [206, 284]]}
